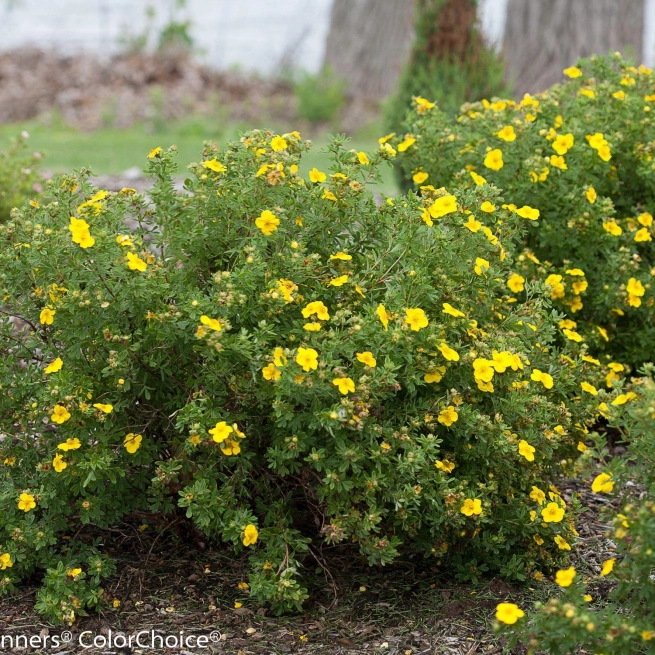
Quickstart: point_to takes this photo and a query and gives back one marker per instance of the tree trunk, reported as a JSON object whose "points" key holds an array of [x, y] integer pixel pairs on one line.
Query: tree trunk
{"points": [[368, 43], [543, 37]]}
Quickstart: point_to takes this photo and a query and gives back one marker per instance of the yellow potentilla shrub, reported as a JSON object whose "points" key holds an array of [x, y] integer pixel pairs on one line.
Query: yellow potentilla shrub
{"points": [[250, 352], [582, 176]]}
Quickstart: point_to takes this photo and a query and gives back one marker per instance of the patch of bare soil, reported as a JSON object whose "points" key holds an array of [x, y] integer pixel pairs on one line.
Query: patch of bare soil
{"points": [[89, 93], [167, 585]]}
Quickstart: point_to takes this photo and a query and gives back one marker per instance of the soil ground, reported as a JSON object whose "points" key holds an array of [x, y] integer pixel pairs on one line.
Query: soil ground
{"points": [[412, 608]]}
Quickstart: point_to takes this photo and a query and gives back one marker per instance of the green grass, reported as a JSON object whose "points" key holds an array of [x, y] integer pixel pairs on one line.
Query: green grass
{"points": [[112, 151]]}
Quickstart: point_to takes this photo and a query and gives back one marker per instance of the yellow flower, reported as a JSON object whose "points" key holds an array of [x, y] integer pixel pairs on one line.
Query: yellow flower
{"points": [[635, 288], [613, 228], [537, 538], [509, 613], [221, 431], [572, 72], [528, 212], [5, 561], [445, 465], [419, 177], [516, 283], [643, 235], [107, 409], [278, 143], [58, 463], [422, 105], [645, 219], [339, 281], [60, 414], [589, 388], [545, 378], [449, 353], [80, 232], [135, 263], [603, 483], [341, 256], [230, 447], [132, 442], [267, 222], [648, 635], [488, 207], [483, 369], [363, 158], [538, 495], [448, 416], [47, 316], [526, 450], [214, 165], [591, 195], [623, 398], [571, 335], [70, 444], [403, 145], [345, 385], [416, 319], [552, 513], [607, 567], [211, 323], [316, 307], [383, 316], [442, 206], [471, 506], [124, 240], [478, 179], [367, 359], [619, 95], [26, 502], [558, 162], [154, 152], [472, 224], [449, 309], [564, 578], [54, 366], [562, 144], [435, 376], [494, 159], [312, 327], [481, 265], [307, 359], [317, 176], [250, 535], [507, 134]]}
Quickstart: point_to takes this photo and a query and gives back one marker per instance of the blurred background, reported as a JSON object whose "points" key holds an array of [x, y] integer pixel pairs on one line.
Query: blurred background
{"points": [[100, 82]]}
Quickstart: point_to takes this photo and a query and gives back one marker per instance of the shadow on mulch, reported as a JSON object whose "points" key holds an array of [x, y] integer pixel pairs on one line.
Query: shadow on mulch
{"points": [[167, 585]]}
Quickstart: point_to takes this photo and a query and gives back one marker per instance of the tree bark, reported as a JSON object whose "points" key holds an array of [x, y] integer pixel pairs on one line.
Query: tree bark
{"points": [[543, 37], [368, 44]]}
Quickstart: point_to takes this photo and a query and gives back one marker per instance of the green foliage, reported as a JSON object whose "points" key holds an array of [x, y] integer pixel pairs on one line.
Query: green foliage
{"points": [[626, 623], [19, 175], [279, 361], [320, 97], [451, 71], [581, 153]]}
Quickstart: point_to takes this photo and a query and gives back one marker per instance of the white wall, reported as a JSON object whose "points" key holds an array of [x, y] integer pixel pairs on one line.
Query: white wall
{"points": [[252, 34]]}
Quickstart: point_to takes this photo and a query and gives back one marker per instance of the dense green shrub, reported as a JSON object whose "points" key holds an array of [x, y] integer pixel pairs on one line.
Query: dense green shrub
{"points": [[581, 153], [283, 361], [19, 175], [626, 623], [320, 97], [449, 63]]}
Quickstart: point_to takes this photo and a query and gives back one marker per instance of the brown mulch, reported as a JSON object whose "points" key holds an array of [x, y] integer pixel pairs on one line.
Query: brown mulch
{"points": [[89, 93], [408, 609]]}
